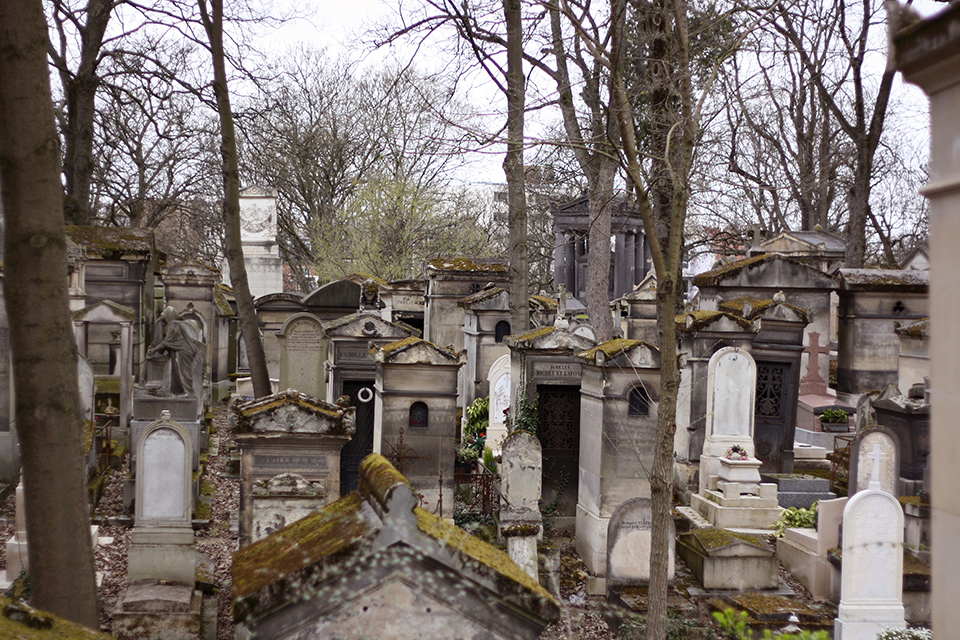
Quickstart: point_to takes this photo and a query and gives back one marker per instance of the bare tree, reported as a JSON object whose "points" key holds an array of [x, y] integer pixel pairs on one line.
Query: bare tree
{"points": [[211, 17], [41, 336]]}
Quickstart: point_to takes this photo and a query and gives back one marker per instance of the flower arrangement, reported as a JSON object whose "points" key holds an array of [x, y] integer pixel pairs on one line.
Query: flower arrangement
{"points": [[736, 452]]}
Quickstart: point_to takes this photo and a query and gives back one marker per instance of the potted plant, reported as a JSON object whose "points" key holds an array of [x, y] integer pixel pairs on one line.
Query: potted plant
{"points": [[835, 420]]}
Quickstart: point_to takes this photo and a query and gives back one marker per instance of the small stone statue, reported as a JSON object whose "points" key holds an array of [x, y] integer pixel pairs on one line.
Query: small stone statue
{"points": [[180, 341]]}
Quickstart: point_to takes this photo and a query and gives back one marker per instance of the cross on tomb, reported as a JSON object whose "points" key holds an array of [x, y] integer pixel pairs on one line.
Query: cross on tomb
{"points": [[400, 452], [813, 382], [562, 295]]}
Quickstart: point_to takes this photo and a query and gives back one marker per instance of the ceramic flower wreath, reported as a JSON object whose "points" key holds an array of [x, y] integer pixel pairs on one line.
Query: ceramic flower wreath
{"points": [[736, 452]]}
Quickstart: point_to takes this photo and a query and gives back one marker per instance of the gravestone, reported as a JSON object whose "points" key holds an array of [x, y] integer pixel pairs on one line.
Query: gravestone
{"points": [[17, 544], [628, 545], [161, 544], [303, 351], [731, 493], [521, 475], [500, 380], [861, 464], [731, 385], [871, 590]]}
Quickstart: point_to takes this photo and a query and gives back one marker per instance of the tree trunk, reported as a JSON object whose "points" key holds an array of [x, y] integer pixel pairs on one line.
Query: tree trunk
{"points": [[513, 168], [80, 90], [598, 254], [213, 24], [41, 335]]}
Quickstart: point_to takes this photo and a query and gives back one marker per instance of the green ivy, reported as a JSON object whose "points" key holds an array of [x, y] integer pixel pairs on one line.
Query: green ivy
{"points": [[796, 517]]}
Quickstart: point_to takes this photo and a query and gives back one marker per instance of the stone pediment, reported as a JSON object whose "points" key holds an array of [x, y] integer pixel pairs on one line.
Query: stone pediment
{"points": [[368, 325], [623, 353], [466, 265], [753, 308], [552, 339], [254, 191], [282, 301], [812, 242], [768, 271], [714, 321], [192, 269], [291, 412], [643, 292], [376, 532], [492, 299], [105, 312], [415, 350]]}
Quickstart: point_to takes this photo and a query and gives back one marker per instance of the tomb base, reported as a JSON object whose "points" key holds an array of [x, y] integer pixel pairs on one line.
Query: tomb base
{"points": [[148, 611], [725, 560], [523, 551], [162, 553], [591, 541], [797, 550], [727, 507], [854, 630]]}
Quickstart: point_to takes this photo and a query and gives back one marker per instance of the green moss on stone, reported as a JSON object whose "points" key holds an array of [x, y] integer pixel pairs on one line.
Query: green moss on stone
{"points": [[716, 538], [613, 348], [19, 621], [465, 264]]}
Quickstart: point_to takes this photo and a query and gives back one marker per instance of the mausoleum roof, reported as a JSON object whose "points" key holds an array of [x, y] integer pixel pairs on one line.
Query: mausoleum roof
{"points": [[112, 242], [613, 348], [366, 531], [753, 308], [464, 265], [415, 350], [918, 329], [382, 328], [723, 276], [905, 280], [703, 320], [248, 417]]}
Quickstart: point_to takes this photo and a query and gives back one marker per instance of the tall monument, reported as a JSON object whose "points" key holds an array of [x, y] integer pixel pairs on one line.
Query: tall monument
{"points": [[258, 233]]}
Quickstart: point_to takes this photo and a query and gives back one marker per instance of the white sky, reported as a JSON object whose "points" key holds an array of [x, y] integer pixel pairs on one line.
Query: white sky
{"points": [[340, 27]]}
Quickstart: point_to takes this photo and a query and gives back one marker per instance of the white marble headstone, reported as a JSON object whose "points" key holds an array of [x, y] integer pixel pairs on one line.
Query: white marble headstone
{"points": [[500, 381], [732, 379], [164, 470], [629, 535], [871, 591]]}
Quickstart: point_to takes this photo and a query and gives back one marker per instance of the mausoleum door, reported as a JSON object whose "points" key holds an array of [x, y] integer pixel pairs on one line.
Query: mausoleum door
{"points": [[771, 413], [559, 433], [362, 442]]}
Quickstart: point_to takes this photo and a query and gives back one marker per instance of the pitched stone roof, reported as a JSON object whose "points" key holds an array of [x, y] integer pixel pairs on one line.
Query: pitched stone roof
{"points": [[109, 242], [364, 531]]}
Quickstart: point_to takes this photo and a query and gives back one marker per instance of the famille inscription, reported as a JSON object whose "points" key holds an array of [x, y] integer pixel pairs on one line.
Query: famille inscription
{"points": [[557, 370]]}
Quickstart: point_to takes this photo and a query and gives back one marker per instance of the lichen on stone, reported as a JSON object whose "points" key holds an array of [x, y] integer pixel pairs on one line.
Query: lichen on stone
{"points": [[613, 348], [464, 264]]}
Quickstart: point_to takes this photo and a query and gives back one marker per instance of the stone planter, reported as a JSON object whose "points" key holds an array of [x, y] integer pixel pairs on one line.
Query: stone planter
{"points": [[742, 471], [834, 427]]}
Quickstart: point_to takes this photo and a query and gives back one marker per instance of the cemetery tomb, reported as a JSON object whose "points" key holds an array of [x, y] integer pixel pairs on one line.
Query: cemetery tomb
{"points": [[375, 560], [486, 322], [732, 494], [273, 310], [723, 559], [289, 457], [448, 281], [872, 302], [909, 418], [618, 424], [415, 421], [352, 371], [258, 234], [803, 552], [550, 370]]}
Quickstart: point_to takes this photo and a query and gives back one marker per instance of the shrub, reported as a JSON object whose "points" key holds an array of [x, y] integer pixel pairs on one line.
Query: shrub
{"points": [[834, 416], [796, 517]]}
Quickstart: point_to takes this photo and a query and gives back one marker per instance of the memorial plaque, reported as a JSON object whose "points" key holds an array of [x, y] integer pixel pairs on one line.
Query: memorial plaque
{"points": [[566, 371], [162, 475], [352, 354], [732, 380]]}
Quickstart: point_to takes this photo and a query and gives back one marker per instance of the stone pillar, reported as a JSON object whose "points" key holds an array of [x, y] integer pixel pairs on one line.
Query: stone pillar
{"points": [[521, 523], [80, 335], [619, 266], [639, 259], [559, 246], [571, 254], [928, 56], [126, 373], [629, 263]]}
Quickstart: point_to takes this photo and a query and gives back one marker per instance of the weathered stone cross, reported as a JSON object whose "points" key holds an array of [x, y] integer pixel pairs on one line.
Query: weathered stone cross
{"points": [[877, 456]]}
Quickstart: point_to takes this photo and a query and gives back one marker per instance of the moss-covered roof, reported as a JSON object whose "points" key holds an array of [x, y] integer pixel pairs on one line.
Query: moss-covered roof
{"points": [[393, 349], [613, 348], [757, 306], [465, 265], [112, 241], [543, 301], [242, 414], [369, 315], [480, 296], [701, 319], [334, 529], [715, 277], [918, 329], [360, 277], [19, 621], [533, 335], [905, 280], [344, 532], [713, 538]]}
